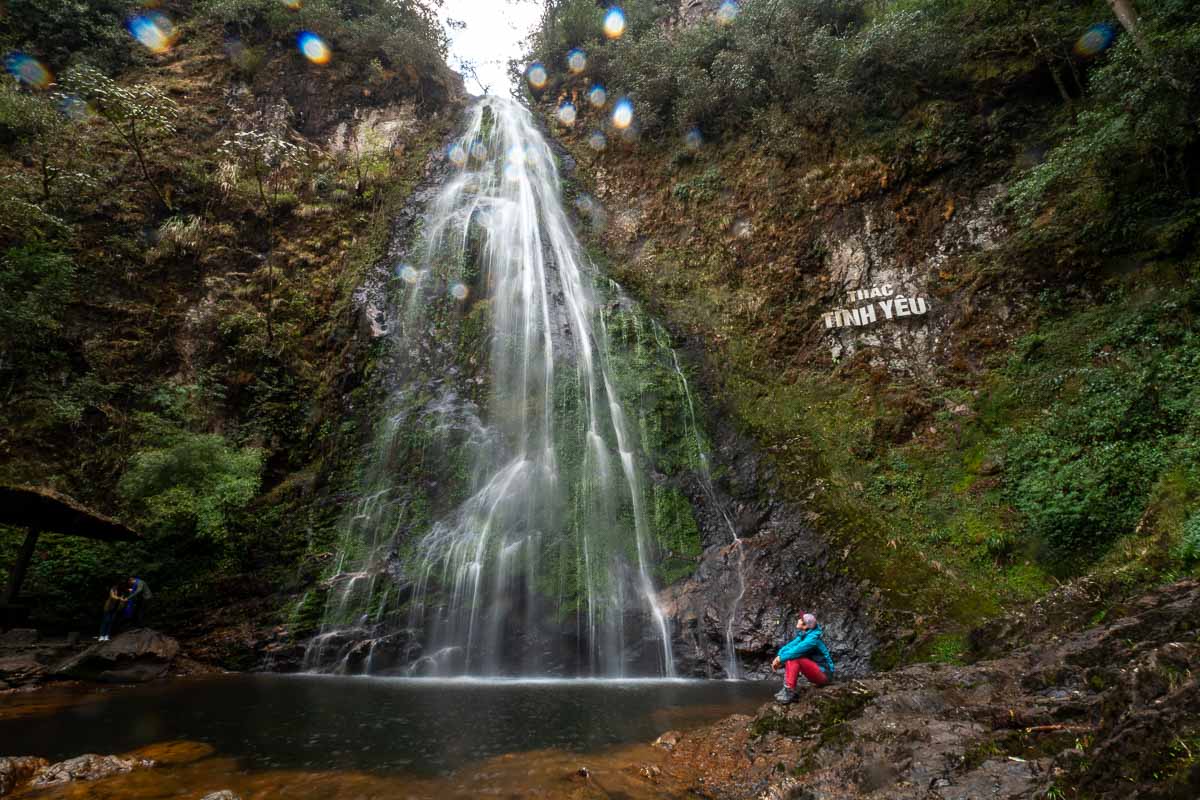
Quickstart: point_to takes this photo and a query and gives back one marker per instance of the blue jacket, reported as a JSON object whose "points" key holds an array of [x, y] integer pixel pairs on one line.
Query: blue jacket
{"points": [[808, 644]]}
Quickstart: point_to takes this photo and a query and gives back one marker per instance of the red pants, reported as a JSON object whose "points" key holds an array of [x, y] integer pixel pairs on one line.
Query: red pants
{"points": [[812, 672]]}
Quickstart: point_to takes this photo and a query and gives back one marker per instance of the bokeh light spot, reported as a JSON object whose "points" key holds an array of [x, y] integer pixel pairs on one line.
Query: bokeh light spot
{"points": [[153, 30], [457, 154], [623, 113], [459, 291], [566, 114], [28, 70], [479, 151], [1095, 40], [597, 96], [727, 12], [693, 139], [294, 5], [313, 48], [614, 23], [536, 75], [407, 273], [597, 141], [577, 60]]}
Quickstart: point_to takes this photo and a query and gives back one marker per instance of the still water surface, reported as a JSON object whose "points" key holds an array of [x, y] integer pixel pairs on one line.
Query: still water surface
{"points": [[373, 725]]}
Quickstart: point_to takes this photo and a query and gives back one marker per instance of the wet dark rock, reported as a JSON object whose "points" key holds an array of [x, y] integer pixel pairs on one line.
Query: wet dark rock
{"points": [[88, 767], [224, 794], [17, 771], [21, 669], [133, 657]]}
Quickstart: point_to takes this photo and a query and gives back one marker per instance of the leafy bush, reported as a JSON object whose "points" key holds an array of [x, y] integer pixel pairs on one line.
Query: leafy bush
{"points": [[1117, 408], [1125, 161], [196, 483], [1189, 548], [62, 32], [35, 285]]}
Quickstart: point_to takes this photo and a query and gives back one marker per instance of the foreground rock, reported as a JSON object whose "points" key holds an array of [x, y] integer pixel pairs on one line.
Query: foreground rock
{"points": [[133, 657], [1106, 713], [18, 771], [88, 767]]}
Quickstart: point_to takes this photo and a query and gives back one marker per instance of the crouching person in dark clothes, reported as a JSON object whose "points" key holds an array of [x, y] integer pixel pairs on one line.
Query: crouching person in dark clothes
{"points": [[805, 655]]}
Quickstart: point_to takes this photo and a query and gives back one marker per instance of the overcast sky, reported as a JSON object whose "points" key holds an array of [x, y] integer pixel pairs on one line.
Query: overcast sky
{"points": [[495, 32]]}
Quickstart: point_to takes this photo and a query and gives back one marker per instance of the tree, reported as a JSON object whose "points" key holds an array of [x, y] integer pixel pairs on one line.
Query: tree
{"points": [[1127, 15], [35, 286], [138, 114], [48, 138], [268, 160], [196, 480]]}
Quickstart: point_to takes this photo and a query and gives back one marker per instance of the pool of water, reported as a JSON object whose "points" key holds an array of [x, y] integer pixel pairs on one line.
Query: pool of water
{"points": [[372, 725]]}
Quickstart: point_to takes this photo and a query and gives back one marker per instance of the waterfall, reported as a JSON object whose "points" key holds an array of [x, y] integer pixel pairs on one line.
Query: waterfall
{"points": [[504, 527]]}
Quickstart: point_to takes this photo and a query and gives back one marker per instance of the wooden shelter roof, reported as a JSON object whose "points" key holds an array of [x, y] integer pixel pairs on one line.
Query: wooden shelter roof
{"points": [[46, 510]]}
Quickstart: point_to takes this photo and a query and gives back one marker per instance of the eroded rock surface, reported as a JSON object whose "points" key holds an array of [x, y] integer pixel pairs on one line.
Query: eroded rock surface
{"points": [[1112, 711], [88, 767], [17, 771], [133, 657]]}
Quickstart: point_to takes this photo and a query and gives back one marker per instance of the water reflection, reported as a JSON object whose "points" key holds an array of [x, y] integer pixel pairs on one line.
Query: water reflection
{"points": [[375, 725]]}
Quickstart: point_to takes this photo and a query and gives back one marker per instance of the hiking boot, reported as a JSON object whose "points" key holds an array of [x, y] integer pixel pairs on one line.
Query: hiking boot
{"points": [[785, 696]]}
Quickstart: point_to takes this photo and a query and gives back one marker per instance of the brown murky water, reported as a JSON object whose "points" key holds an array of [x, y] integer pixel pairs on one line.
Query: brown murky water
{"points": [[307, 737]]}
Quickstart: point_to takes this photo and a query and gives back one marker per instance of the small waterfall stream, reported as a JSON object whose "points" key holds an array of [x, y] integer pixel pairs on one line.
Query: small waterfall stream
{"points": [[507, 523]]}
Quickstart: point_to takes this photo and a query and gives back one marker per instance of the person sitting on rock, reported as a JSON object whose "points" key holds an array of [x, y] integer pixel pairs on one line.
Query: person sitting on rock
{"points": [[806, 655], [112, 605]]}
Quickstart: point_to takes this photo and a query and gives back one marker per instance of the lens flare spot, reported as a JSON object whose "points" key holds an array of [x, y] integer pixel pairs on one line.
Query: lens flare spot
{"points": [[597, 96], [566, 114], [457, 154], [407, 273], [294, 5], [597, 141], [727, 12], [1095, 40], [153, 30], [614, 23], [479, 151], [693, 139], [313, 48], [516, 155], [459, 291], [28, 70], [536, 75], [577, 60], [623, 114]]}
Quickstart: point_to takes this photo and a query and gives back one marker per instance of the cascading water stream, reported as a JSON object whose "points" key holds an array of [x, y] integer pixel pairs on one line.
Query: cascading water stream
{"points": [[549, 529], [733, 669]]}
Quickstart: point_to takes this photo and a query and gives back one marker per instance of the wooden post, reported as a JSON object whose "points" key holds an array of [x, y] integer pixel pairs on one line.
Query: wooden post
{"points": [[16, 575]]}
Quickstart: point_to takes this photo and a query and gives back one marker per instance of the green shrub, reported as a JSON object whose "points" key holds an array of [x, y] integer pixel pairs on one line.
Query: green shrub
{"points": [[196, 482], [1189, 548], [62, 32], [35, 286]]}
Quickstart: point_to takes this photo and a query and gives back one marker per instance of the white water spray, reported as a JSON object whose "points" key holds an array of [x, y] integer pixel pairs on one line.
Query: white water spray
{"points": [[539, 452]]}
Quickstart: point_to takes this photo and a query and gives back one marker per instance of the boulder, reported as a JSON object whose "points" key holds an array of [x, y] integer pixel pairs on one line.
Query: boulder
{"points": [[17, 771], [133, 657], [20, 669], [224, 794], [88, 767]]}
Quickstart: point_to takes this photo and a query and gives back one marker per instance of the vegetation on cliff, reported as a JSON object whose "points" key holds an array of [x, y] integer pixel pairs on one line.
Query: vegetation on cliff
{"points": [[1047, 427], [186, 213]]}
